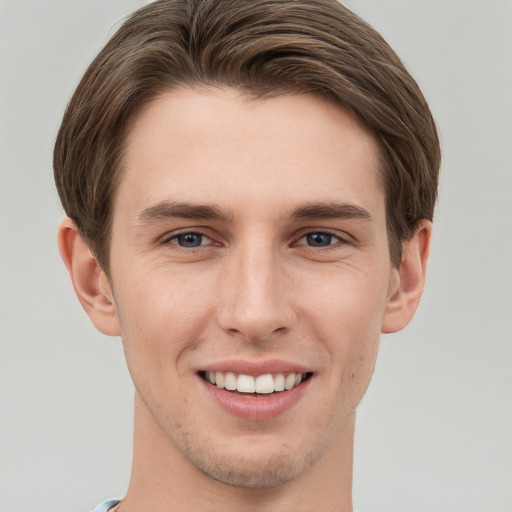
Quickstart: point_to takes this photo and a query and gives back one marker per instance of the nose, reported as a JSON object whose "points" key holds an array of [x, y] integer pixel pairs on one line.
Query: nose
{"points": [[255, 299]]}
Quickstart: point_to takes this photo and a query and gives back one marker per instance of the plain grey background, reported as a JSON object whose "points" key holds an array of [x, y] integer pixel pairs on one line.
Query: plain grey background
{"points": [[435, 428]]}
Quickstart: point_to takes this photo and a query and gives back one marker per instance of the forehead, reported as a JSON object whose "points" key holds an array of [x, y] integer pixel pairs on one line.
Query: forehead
{"points": [[218, 146]]}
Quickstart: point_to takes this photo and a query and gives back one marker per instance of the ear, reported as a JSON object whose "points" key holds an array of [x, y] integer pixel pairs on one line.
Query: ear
{"points": [[91, 285], [408, 287]]}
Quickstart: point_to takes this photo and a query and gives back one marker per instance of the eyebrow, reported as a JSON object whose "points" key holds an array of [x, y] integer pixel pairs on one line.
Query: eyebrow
{"points": [[331, 211], [317, 211], [167, 210]]}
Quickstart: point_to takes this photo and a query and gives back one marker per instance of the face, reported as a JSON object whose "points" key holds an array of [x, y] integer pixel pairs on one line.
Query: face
{"points": [[250, 272]]}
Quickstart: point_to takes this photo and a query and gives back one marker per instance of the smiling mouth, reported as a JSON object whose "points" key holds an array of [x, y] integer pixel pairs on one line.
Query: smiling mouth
{"points": [[259, 385]]}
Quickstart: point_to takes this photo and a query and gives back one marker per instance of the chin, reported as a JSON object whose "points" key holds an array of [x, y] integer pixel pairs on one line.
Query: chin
{"points": [[255, 474]]}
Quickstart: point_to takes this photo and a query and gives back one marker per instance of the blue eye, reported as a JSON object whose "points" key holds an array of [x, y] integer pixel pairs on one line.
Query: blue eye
{"points": [[190, 240], [320, 239]]}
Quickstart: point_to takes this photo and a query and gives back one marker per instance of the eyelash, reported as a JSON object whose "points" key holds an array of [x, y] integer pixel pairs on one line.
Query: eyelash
{"points": [[340, 240], [172, 240]]}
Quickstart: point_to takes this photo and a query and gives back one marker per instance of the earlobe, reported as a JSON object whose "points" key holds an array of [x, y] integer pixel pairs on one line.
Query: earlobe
{"points": [[91, 285], [405, 297]]}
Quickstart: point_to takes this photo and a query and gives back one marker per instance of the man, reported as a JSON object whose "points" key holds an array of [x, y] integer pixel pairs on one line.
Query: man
{"points": [[249, 189]]}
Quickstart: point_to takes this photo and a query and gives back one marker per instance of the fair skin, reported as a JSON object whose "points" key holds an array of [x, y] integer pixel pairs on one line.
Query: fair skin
{"points": [[249, 237]]}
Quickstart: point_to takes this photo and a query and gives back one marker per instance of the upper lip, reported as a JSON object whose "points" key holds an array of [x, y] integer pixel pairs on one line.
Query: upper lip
{"points": [[248, 367]]}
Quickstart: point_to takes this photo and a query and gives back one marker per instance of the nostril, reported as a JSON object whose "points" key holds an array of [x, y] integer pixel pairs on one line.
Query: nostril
{"points": [[257, 334]]}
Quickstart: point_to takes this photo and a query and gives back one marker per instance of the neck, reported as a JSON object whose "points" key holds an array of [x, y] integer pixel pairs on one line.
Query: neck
{"points": [[163, 480]]}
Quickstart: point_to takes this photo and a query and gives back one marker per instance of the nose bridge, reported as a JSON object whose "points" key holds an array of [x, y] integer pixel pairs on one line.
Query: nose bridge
{"points": [[254, 291]]}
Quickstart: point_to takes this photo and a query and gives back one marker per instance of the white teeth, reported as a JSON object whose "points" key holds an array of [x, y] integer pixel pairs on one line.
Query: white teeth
{"points": [[279, 382], [230, 381], [289, 382], [245, 384], [262, 384], [219, 379]]}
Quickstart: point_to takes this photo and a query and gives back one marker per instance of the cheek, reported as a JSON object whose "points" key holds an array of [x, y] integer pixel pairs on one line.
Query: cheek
{"points": [[348, 305], [346, 314], [162, 318]]}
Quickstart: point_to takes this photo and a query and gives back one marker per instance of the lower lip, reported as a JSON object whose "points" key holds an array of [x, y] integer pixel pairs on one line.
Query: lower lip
{"points": [[256, 408]]}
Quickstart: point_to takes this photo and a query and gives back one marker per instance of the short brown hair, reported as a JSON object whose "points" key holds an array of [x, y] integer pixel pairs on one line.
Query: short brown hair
{"points": [[261, 48]]}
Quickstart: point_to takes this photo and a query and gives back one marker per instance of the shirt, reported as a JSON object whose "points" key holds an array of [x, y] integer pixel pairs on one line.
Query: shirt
{"points": [[106, 505]]}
